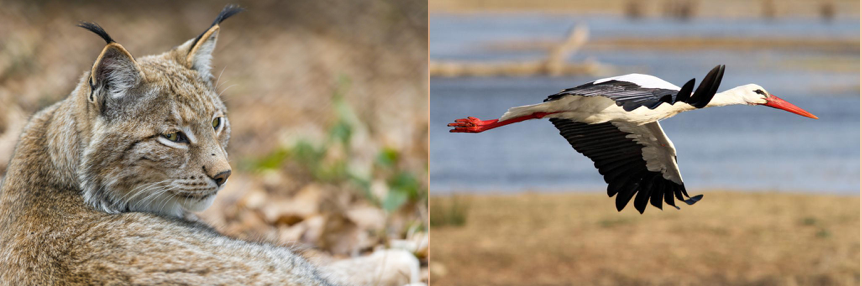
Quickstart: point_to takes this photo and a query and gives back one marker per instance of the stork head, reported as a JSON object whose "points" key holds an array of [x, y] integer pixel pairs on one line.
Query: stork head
{"points": [[753, 94]]}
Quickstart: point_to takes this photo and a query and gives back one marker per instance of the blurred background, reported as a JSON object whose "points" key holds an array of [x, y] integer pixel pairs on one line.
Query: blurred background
{"points": [[327, 101], [518, 206]]}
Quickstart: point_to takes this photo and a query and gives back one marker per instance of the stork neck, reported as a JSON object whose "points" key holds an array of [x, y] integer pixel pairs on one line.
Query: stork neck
{"points": [[730, 97]]}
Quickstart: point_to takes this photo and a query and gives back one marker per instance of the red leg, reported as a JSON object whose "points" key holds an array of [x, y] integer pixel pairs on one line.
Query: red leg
{"points": [[476, 125]]}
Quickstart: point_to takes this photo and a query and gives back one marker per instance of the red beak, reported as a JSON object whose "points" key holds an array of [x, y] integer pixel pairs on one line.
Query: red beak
{"points": [[775, 102]]}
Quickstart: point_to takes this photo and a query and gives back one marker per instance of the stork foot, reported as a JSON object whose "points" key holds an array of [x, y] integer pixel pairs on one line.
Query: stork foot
{"points": [[471, 125]]}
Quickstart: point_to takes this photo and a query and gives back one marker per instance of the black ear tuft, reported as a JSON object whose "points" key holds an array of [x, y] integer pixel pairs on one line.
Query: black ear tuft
{"points": [[228, 11], [95, 28]]}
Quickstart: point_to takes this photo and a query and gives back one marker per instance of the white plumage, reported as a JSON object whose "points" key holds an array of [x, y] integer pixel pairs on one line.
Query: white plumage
{"points": [[643, 80]]}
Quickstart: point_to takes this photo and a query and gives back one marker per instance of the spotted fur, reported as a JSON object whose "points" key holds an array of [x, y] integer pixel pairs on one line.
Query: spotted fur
{"points": [[96, 193], [129, 166]]}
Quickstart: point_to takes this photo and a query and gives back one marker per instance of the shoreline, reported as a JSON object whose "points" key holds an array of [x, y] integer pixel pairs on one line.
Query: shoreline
{"points": [[728, 238]]}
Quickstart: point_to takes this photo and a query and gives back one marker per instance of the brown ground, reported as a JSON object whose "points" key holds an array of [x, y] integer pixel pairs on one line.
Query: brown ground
{"points": [[729, 238]]}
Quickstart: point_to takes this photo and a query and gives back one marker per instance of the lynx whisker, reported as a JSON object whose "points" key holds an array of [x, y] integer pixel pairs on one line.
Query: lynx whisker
{"points": [[219, 76], [153, 190], [225, 89], [138, 190], [161, 201]]}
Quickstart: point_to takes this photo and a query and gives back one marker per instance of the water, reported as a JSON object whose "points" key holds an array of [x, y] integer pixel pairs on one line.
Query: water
{"points": [[737, 147], [459, 36]]}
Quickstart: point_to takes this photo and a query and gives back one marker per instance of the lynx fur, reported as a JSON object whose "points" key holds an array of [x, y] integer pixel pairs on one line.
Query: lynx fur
{"points": [[100, 182]]}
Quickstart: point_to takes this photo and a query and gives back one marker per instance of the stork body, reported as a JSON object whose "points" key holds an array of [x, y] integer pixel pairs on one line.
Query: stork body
{"points": [[614, 122]]}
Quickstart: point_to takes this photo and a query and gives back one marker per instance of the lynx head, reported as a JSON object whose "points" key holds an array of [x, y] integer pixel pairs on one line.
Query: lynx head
{"points": [[157, 128]]}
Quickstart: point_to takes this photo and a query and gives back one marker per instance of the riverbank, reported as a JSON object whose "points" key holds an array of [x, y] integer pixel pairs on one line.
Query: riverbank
{"points": [[729, 238]]}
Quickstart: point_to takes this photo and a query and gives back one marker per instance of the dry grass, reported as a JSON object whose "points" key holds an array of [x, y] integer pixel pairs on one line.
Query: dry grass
{"points": [[729, 238]]}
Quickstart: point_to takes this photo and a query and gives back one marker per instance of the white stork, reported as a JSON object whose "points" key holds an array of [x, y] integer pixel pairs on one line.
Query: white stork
{"points": [[614, 122]]}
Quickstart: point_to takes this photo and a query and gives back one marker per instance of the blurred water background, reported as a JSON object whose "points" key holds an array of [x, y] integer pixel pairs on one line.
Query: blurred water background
{"points": [[808, 61]]}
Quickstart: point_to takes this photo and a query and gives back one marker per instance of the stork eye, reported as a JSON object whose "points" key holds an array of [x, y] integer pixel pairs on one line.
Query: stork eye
{"points": [[760, 92], [216, 123], [177, 137]]}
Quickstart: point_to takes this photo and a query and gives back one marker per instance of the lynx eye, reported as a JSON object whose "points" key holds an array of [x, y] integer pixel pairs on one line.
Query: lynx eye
{"points": [[175, 137], [216, 122]]}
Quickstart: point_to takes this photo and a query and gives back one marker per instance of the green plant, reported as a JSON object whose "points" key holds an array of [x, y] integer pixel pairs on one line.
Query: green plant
{"points": [[451, 210], [402, 186]]}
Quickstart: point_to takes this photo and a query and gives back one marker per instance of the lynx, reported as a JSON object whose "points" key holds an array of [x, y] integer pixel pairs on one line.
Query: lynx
{"points": [[101, 183]]}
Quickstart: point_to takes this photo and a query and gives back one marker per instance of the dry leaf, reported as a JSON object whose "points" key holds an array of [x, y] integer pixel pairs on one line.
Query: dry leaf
{"points": [[368, 218], [291, 211]]}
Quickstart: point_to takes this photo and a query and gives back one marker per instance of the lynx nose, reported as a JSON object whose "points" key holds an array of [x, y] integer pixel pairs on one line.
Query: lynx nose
{"points": [[220, 178]]}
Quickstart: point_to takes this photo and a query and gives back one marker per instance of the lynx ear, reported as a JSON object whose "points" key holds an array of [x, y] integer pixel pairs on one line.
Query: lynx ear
{"points": [[201, 48], [115, 70]]}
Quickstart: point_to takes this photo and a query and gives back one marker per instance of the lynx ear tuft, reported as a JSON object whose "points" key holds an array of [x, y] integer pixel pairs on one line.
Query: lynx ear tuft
{"points": [[115, 70], [200, 49], [95, 28]]}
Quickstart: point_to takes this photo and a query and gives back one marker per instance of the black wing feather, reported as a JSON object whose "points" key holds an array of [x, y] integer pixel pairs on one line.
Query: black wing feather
{"points": [[630, 96], [707, 88], [644, 194], [620, 161], [657, 193], [685, 92]]}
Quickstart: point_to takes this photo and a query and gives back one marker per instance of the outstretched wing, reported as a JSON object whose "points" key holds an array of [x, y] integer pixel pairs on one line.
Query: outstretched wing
{"points": [[636, 161], [635, 90]]}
